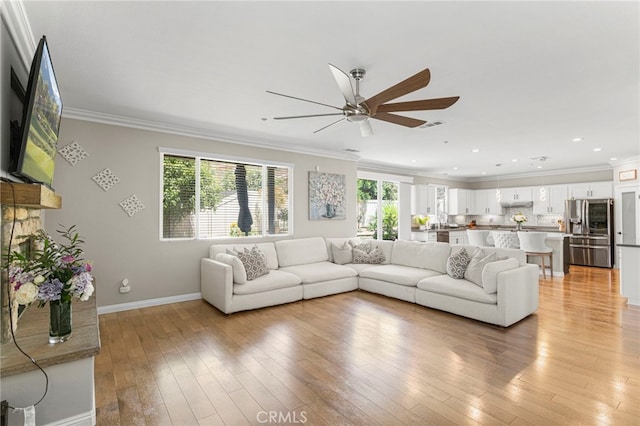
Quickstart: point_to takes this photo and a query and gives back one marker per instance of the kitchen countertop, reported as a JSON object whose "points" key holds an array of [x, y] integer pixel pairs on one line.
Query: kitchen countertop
{"points": [[550, 229]]}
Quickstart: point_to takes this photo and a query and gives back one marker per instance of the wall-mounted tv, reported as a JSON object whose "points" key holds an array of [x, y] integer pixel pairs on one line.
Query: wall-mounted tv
{"points": [[33, 156]]}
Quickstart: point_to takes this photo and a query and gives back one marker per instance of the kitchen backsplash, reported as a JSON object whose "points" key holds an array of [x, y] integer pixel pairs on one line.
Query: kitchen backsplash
{"points": [[549, 219]]}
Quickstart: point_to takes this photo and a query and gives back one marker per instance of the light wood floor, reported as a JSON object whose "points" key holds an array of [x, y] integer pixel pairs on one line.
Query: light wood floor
{"points": [[363, 359]]}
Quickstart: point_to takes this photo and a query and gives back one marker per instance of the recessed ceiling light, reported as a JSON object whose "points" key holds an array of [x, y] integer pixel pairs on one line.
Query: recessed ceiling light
{"points": [[613, 158], [597, 149], [475, 150], [264, 119], [455, 168], [413, 161], [484, 173], [576, 140], [515, 160], [538, 167]]}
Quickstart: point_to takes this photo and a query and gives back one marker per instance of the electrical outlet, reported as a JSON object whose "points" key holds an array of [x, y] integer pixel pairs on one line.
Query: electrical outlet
{"points": [[125, 289]]}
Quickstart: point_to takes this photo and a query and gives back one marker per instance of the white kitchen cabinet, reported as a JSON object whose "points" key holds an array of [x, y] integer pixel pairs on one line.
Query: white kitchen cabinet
{"points": [[458, 237], [591, 190], [549, 199], [509, 195], [461, 201], [487, 202], [423, 199]]}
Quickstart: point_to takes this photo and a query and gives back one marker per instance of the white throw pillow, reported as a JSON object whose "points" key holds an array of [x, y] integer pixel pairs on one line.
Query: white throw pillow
{"points": [[476, 265], [341, 253], [239, 273], [491, 270]]}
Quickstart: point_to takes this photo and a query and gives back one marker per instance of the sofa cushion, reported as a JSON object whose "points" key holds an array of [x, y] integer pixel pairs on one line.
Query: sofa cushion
{"points": [[301, 251], [341, 253], [457, 264], [397, 274], [254, 262], [359, 267], [476, 265], [320, 271], [444, 284], [421, 255], [268, 249], [239, 273], [491, 270], [271, 281]]}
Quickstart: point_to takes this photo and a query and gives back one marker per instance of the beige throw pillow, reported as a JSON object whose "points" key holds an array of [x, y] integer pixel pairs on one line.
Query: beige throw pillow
{"points": [[476, 265]]}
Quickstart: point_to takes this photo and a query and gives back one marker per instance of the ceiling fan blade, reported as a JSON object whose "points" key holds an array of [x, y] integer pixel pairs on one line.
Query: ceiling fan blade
{"points": [[304, 100], [329, 125], [365, 128], [425, 104], [409, 85], [344, 83], [398, 119], [306, 116]]}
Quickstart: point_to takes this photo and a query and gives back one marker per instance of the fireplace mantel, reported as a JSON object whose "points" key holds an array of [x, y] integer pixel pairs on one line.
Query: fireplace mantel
{"points": [[29, 195]]}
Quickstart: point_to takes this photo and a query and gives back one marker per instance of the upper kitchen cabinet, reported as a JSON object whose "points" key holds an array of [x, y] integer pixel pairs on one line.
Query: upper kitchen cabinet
{"points": [[487, 202], [591, 190], [423, 199], [461, 201], [549, 199], [510, 195]]}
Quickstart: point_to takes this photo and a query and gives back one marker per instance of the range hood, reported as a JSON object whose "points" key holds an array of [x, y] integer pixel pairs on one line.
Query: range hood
{"points": [[521, 204]]}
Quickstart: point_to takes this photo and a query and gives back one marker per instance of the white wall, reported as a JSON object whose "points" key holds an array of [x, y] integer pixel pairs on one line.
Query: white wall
{"points": [[123, 246]]}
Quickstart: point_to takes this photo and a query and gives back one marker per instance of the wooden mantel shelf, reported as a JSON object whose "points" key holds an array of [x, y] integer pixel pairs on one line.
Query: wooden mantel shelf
{"points": [[30, 195]]}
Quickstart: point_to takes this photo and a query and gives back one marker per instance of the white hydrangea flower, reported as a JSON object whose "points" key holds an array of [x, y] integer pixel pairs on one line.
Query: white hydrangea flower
{"points": [[26, 294]]}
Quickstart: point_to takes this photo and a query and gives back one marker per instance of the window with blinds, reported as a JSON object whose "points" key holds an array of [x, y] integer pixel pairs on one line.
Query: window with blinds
{"points": [[234, 199]]}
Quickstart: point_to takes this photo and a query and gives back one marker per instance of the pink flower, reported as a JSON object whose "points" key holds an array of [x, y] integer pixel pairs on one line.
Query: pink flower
{"points": [[67, 259], [88, 267]]}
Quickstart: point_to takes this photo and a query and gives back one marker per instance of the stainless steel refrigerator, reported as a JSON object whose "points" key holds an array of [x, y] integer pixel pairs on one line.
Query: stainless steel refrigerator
{"points": [[590, 225]]}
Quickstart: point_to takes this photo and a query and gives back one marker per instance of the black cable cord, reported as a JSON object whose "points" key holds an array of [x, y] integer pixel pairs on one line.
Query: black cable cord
{"points": [[13, 334]]}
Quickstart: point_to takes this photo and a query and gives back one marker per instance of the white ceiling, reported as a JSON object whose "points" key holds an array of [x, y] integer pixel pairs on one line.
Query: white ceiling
{"points": [[531, 76]]}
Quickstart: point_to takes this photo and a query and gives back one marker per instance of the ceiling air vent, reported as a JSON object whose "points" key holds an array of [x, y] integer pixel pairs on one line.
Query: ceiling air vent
{"points": [[431, 124], [352, 150]]}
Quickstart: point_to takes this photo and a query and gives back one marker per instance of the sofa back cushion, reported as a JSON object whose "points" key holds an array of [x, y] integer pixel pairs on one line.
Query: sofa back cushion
{"points": [[500, 252], [300, 251], [421, 255], [268, 249], [339, 242]]}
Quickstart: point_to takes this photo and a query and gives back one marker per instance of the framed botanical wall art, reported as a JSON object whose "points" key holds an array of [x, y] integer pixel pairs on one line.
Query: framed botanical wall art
{"points": [[327, 196]]}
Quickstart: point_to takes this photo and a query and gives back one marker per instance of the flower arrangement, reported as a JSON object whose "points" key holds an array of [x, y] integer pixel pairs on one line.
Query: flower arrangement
{"points": [[54, 271], [519, 218]]}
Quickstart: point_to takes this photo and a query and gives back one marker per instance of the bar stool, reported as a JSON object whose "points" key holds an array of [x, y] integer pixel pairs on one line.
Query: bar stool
{"points": [[505, 239], [533, 244], [479, 237]]}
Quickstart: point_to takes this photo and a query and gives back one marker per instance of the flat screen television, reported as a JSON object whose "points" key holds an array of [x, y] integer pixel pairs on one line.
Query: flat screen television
{"points": [[36, 140]]}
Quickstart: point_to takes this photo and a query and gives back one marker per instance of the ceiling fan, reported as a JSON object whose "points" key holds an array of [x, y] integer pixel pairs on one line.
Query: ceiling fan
{"points": [[359, 110]]}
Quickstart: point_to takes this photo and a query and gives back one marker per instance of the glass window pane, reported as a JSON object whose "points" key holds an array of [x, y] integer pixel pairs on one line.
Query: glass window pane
{"points": [[367, 207], [226, 190], [178, 197], [389, 210]]}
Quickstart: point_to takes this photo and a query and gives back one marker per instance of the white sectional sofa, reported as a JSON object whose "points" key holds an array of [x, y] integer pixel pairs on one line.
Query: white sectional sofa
{"points": [[505, 290]]}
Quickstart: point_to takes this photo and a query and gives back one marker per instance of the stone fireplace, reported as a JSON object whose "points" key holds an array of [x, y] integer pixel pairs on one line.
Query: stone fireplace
{"points": [[22, 206]]}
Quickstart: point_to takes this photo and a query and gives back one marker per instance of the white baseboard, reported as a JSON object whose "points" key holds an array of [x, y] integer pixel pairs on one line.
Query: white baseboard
{"points": [[148, 303], [84, 419]]}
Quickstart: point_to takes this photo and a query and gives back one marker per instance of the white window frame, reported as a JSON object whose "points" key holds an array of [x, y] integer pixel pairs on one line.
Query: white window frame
{"points": [[197, 156]]}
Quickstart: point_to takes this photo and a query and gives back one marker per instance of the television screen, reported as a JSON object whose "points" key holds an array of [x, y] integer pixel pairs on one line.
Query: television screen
{"points": [[40, 120]]}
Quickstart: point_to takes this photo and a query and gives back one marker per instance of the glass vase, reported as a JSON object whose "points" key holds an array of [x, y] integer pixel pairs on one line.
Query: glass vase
{"points": [[59, 321]]}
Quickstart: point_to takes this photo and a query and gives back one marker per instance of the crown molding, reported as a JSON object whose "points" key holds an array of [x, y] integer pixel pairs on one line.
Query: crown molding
{"points": [[15, 18], [200, 133]]}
